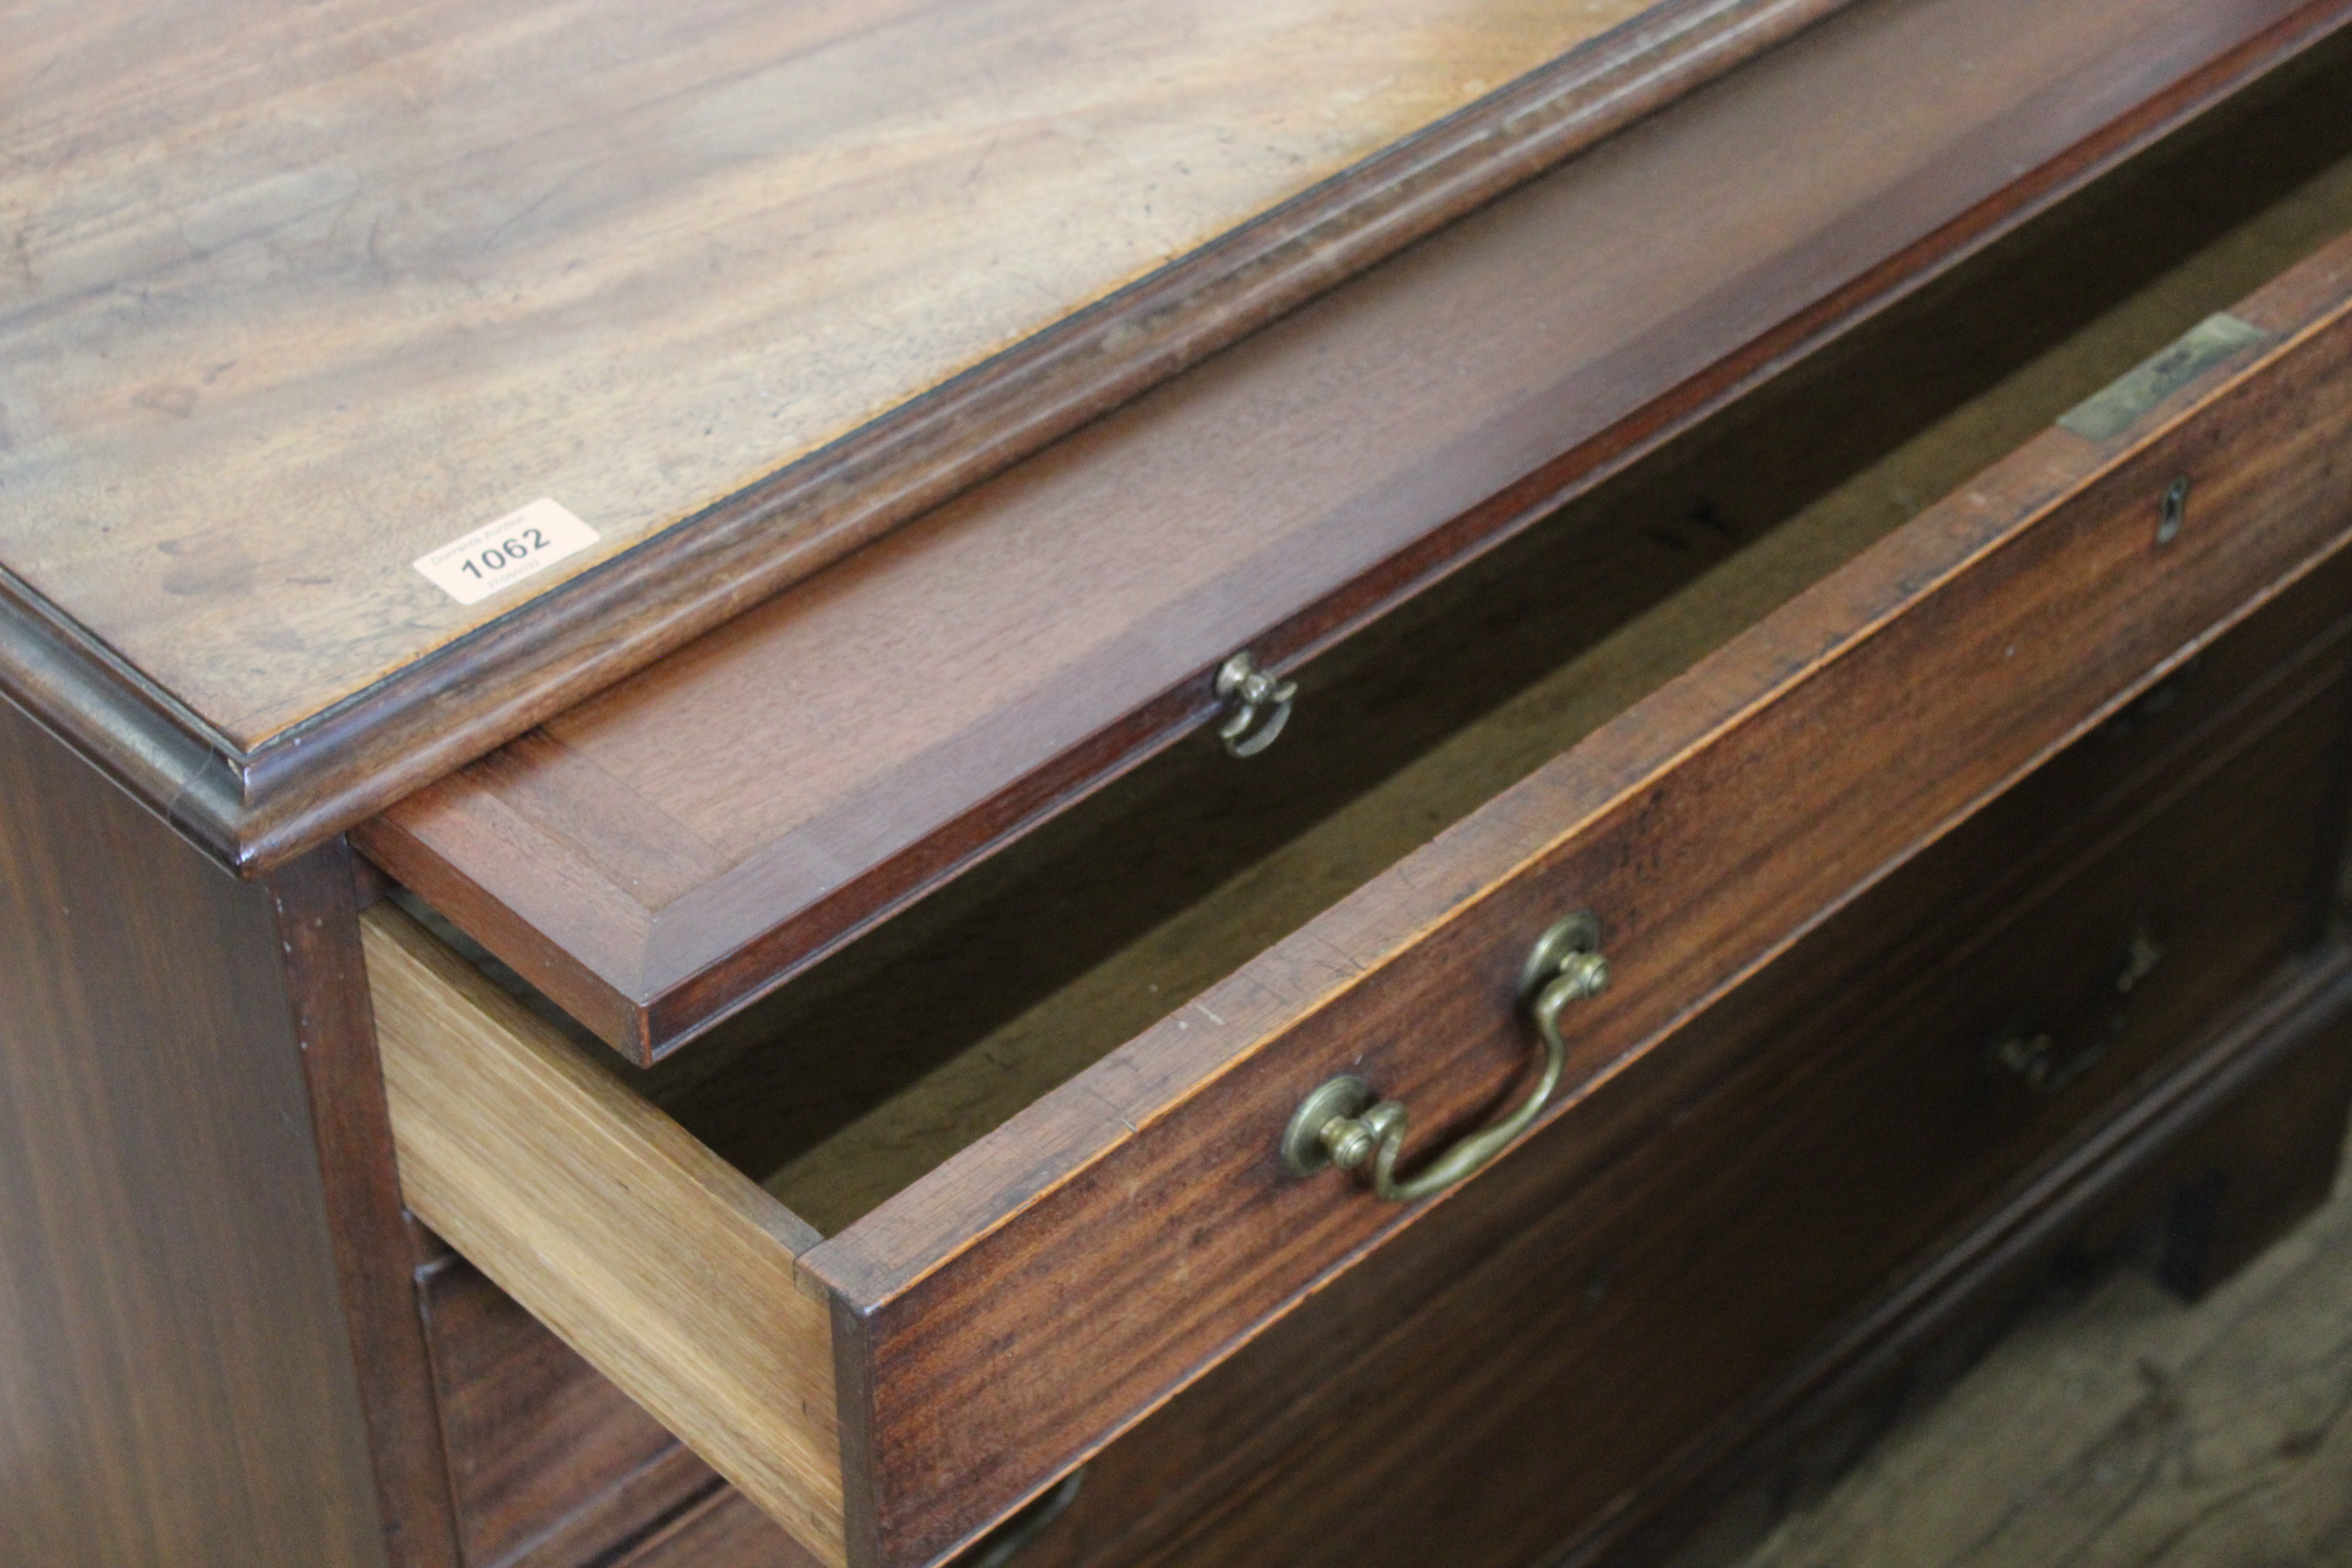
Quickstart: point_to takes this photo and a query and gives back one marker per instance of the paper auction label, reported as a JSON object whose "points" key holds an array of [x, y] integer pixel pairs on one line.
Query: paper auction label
{"points": [[499, 555]]}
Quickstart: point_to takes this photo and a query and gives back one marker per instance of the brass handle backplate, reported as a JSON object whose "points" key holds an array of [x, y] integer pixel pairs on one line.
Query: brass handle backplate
{"points": [[1339, 1124], [1260, 703]]}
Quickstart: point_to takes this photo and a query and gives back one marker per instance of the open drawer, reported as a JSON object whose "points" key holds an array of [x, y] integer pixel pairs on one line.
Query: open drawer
{"points": [[898, 1247]]}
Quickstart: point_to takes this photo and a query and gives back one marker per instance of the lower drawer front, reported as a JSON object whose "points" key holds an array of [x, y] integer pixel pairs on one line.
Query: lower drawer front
{"points": [[1503, 1382]]}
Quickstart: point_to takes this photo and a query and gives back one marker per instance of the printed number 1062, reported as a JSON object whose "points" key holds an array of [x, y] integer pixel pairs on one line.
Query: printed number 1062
{"points": [[507, 552]]}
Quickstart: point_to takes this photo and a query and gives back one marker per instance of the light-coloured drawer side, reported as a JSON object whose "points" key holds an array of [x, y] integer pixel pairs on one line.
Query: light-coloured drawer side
{"points": [[669, 1269]]}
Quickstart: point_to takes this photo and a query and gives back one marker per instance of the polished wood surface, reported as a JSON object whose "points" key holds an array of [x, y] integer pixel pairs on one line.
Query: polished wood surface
{"points": [[1941, 634], [840, 1143], [2261, 1117], [657, 855], [387, 277], [180, 1384], [1306, 1436], [969, 1007], [2066, 527], [195, 1087], [656, 1260], [2059, 1435]]}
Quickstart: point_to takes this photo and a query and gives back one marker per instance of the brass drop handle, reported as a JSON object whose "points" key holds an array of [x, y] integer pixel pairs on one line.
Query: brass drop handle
{"points": [[1260, 702], [1340, 1125]]}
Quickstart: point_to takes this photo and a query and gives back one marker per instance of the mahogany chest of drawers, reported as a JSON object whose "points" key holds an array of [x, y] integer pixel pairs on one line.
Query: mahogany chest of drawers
{"points": [[1312, 785]]}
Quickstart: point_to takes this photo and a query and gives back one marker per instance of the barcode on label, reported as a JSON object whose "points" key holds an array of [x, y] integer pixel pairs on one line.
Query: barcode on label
{"points": [[499, 555]]}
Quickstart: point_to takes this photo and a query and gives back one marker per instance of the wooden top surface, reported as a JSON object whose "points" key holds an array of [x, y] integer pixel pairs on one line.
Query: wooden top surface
{"points": [[655, 855], [292, 295]]}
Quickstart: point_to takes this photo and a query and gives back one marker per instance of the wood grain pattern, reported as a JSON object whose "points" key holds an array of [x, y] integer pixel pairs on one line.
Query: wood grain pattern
{"points": [[179, 1383], [614, 1519], [1266, 1436], [414, 726], [1941, 634], [2260, 1114], [435, 261], [1014, 650], [393, 274], [1326, 1403], [661, 1264], [1291, 1442]]}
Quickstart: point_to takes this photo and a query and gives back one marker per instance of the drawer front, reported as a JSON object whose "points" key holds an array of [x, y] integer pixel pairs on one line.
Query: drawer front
{"points": [[1057, 1280], [1630, 1282]]}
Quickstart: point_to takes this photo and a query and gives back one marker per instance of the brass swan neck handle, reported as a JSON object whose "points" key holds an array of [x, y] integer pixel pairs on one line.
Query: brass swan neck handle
{"points": [[1338, 1124]]}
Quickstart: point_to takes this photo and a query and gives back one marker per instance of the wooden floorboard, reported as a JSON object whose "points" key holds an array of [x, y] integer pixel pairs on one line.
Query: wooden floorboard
{"points": [[2119, 1428]]}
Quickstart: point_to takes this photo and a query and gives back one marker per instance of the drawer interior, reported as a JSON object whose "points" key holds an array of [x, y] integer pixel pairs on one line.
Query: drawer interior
{"points": [[878, 1064]]}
